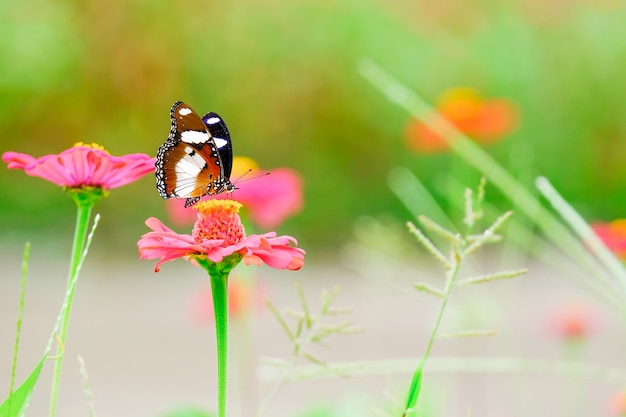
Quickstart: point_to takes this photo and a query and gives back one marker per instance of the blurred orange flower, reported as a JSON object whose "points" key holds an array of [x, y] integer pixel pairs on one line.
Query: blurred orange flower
{"points": [[616, 406], [484, 120], [573, 321], [613, 235]]}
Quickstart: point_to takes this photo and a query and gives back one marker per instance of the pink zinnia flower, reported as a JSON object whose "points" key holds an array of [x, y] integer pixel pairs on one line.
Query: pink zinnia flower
{"points": [[269, 200], [218, 236], [613, 235], [83, 166], [484, 120], [218, 243]]}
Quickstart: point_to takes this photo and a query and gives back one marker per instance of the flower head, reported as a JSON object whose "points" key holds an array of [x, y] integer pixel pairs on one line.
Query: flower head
{"points": [[484, 120], [83, 166], [268, 199], [613, 235], [219, 237]]}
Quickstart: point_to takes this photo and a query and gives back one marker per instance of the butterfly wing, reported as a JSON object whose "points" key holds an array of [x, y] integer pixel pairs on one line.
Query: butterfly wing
{"points": [[221, 136], [188, 164]]}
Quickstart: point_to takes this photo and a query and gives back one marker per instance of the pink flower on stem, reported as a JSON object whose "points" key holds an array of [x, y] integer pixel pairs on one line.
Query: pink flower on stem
{"points": [[86, 173], [268, 199], [218, 243], [83, 166], [219, 234]]}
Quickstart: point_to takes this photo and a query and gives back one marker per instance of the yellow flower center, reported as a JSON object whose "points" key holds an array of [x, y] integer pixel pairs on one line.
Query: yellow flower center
{"points": [[219, 219], [90, 145]]}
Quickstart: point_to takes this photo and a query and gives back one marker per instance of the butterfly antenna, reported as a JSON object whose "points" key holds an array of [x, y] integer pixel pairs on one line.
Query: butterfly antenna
{"points": [[240, 179]]}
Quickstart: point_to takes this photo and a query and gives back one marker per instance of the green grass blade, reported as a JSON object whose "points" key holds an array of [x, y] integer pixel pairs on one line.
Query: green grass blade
{"points": [[20, 313], [414, 392], [16, 403]]}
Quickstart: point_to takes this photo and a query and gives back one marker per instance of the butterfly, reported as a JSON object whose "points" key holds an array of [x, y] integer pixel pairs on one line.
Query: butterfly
{"points": [[197, 157]]}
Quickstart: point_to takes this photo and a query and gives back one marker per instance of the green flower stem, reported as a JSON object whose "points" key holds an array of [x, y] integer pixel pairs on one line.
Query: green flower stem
{"points": [[416, 382], [82, 223], [219, 287]]}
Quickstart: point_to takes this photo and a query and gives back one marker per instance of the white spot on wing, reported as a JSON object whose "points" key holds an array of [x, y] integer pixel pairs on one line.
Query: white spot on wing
{"points": [[187, 170], [193, 136], [184, 111], [220, 143], [213, 120]]}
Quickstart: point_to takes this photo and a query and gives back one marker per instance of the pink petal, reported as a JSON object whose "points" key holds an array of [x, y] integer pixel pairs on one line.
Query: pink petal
{"points": [[45, 167], [252, 260], [281, 257], [164, 243], [276, 252], [156, 225], [118, 171], [17, 160]]}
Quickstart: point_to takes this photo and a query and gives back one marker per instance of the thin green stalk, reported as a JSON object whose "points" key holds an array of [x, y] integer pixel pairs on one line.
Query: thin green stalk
{"points": [[80, 233], [20, 313], [219, 289], [309, 329], [295, 339], [278, 383], [583, 230], [416, 382], [458, 365], [86, 388]]}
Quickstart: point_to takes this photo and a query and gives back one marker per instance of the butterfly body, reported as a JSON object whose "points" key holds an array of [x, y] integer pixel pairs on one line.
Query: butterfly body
{"points": [[197, 157]]}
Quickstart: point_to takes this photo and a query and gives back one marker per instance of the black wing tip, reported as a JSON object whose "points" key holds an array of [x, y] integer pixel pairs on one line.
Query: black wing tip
{"points": [[212, 114], [176, 105]]}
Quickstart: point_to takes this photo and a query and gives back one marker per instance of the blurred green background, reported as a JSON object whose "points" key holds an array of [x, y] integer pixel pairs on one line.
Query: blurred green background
{"points": [[284, 76]]}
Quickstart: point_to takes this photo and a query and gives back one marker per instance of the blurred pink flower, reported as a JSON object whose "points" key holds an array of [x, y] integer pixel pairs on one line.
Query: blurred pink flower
{"points": [[272, 198], [573, 321], [243, 296], [616, 405], [218, 234], [83, 165], [613, 235], [484, 120], [268, 199]]}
